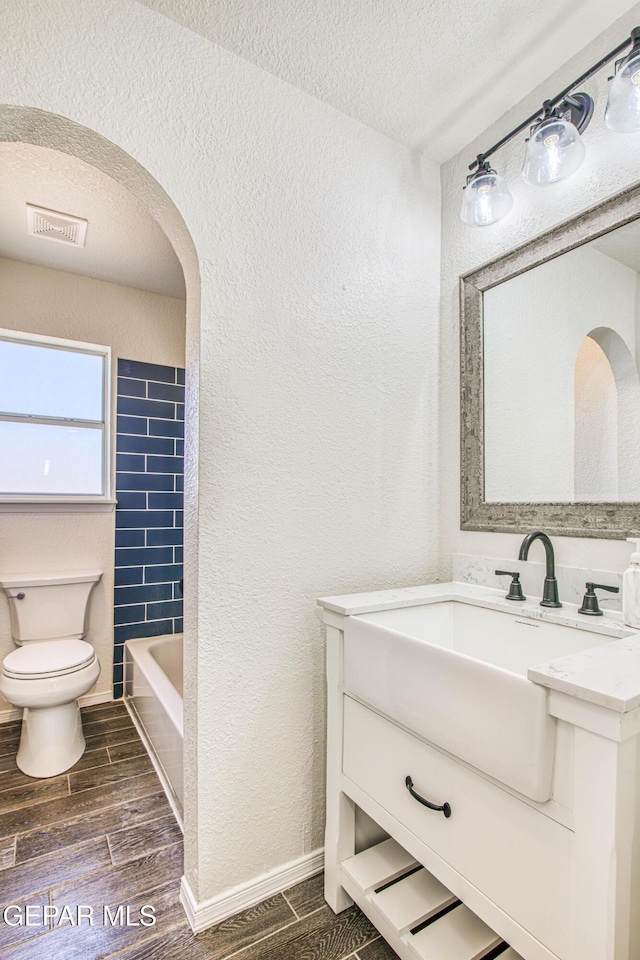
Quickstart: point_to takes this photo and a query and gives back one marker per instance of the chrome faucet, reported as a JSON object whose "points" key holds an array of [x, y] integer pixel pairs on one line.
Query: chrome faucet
{"points": [[550, 591]]}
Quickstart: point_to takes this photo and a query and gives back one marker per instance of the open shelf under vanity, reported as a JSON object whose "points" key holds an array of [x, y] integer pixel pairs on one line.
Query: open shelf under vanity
{"points": [[415, 913]]}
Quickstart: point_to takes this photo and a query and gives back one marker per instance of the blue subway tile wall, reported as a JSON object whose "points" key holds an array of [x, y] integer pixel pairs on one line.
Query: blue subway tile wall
{"points": [[149, 518]]}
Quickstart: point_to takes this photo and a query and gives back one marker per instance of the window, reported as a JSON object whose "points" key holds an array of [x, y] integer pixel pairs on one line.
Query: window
{"points": [[54, 437]]}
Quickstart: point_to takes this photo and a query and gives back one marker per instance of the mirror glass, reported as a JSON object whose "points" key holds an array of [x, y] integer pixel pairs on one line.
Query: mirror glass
{"points": [[561, 345]]}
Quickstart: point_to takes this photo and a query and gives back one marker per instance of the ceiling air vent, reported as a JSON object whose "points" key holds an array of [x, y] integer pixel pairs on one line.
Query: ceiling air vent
{"points": [[52, 225]]}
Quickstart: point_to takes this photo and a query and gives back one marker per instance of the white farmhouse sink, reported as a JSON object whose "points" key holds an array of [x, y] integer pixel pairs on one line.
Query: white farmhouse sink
{"points": [[456, 674]]}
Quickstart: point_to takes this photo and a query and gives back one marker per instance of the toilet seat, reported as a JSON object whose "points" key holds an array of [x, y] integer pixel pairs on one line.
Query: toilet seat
{"points": [[40, 660]]}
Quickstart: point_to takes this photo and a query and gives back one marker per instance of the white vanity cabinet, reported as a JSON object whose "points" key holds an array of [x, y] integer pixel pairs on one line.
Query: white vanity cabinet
{"points": [[557, 880]]}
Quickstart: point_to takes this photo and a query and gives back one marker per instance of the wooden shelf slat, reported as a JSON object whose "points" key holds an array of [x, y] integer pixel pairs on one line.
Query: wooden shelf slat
{"points": [[378, 865], [459, 935], [412, 900]]}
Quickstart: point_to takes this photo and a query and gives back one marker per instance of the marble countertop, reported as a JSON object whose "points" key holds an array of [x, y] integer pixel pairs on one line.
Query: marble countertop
{"points": [[607, 675]]}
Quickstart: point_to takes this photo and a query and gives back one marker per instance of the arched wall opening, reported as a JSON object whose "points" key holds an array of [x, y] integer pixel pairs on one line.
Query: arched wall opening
{"points": [[39, 128], [606, 410]]}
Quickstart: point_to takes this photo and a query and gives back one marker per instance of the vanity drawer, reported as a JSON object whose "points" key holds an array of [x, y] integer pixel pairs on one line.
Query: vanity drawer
{"points": [[512, 852]]}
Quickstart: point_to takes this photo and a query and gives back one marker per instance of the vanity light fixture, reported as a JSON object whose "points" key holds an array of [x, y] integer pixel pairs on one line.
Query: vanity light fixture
{"points": [[486, 199], [622, 113], [555, 149]]}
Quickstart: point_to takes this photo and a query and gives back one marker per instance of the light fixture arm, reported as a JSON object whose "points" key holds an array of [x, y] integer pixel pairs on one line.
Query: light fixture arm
{"points": [[548, 107]]}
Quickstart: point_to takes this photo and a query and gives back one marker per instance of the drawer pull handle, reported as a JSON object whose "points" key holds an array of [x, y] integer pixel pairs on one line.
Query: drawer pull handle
{"points": [[444, 807]]}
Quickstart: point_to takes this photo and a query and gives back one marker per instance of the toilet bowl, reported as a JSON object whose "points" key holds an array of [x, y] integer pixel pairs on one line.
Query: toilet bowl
{"points": [[51, 668]]}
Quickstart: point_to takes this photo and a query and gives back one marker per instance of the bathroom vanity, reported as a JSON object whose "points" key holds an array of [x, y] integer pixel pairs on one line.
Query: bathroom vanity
{"points": [[499, 750]]}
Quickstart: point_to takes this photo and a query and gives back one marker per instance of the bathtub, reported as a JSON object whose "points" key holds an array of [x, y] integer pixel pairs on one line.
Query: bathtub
{"points": [[153, 695]]}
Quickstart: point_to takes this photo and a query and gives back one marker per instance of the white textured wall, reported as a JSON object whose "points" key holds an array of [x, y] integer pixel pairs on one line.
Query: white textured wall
{"points": [[612, 163], [137, 326], [319, 253]]}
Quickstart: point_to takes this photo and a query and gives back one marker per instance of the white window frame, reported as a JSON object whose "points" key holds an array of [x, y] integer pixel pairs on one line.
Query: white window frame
{"points": [[28, 503]]}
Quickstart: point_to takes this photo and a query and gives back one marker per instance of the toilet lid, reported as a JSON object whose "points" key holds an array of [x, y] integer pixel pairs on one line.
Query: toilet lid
{"points": [[48, 658]]}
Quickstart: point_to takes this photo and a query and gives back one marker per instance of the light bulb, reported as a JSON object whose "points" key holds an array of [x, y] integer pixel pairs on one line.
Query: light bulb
{"points": [[486, 199], [622, 113], [554, 152]]}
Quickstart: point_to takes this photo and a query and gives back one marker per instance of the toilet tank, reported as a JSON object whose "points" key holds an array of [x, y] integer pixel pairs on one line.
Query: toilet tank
{"points": [[49, 606]]}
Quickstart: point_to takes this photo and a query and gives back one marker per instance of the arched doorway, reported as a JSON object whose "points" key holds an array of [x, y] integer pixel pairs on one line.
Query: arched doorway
{"points": [[42, 129]]}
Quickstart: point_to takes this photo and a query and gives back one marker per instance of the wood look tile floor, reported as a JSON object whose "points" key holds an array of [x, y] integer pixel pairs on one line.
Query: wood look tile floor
{"points": [[103, 835]]}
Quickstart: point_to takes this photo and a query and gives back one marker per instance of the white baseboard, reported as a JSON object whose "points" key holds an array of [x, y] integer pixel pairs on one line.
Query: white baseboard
{"points": [[209, 912], [91, 698], [6, 716]]}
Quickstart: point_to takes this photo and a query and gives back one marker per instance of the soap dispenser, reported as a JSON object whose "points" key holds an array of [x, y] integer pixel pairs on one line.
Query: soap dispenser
{"points": [[631, 588]]}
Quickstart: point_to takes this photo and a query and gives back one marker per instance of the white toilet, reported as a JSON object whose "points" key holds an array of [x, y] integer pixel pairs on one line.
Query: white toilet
{"points": [[51, 668]]}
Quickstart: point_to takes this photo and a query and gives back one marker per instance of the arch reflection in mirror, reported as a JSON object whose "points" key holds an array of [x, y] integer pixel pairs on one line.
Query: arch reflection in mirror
{"points": [[561, 386]]}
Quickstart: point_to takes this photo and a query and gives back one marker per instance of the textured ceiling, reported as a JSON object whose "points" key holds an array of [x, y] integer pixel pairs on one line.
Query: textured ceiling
{"points": [[432, 74], [124, 244]]}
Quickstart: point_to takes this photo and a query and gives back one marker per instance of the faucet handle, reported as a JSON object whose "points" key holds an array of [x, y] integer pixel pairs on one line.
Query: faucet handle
{"points": [[515, 588], [590, 601]]}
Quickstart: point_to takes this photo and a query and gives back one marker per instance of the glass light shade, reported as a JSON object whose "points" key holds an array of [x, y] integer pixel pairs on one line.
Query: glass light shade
{"points": [[485, 200], [622, 113], [554, 152]]}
